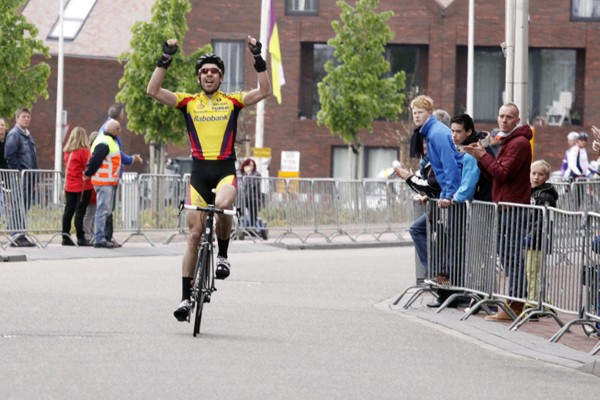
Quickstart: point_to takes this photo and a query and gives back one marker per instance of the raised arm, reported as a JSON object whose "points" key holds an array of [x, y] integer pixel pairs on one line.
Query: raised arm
{"points": [[154, 88], [264, 85]]}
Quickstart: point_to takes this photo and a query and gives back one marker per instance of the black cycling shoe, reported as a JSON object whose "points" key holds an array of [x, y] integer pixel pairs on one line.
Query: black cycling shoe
{"points": [[182, 312], [223, 266]]}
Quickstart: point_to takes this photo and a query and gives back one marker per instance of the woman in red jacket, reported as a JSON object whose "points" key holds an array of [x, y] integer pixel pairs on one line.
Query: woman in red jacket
{"points": [[77, 189]]}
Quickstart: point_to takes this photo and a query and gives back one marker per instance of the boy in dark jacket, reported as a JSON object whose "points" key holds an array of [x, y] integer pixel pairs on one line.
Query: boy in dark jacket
{"points": [[542, 194]]}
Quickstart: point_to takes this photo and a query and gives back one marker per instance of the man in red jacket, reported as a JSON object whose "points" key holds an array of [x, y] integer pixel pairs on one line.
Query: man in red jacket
{"points": [[509, 173]]}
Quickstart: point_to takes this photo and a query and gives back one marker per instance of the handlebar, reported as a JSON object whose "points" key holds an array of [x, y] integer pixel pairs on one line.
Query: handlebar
{"points": [[210, 208]]}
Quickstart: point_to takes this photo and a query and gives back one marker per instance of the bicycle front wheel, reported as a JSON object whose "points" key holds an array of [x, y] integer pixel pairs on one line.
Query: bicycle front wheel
{"points": [[203, 269]]}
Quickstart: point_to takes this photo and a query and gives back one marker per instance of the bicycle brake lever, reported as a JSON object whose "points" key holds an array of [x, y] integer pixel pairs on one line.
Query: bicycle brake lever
{"points": [[181, 204]]}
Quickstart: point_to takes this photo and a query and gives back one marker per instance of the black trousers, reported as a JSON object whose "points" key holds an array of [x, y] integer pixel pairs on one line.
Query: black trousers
{"points": [[75, 204]]}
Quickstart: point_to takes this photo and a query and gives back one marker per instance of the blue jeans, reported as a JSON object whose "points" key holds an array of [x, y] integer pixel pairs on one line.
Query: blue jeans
{"points": [[509, 247], [418, 233], [104, 204]]}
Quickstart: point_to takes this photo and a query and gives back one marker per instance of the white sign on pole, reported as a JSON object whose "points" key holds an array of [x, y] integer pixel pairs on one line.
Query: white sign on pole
{"points": [[290, 161]]}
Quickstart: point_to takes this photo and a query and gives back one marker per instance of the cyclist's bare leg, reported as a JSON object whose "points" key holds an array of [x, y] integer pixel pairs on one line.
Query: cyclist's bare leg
{"points": [[224, 199], [195, 220]]}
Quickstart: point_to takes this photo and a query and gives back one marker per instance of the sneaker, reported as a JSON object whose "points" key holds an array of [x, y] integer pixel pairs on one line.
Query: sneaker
{"points": [[83, 243], [22, 241], [182, 312], [223, 267], [441, 280], [67, 241], [104, 245]]}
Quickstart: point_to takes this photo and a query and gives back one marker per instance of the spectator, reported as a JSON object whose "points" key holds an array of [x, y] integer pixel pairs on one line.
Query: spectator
{"points": [[463, 134], [542, 194], [90, 211], [577, 159], [510, 183], [250, 187], [20, 154], [571, 142], [117, 112], [442, 116], [596, 142], [104, 169], [426, 187], [77, 189], [3, 164], [442, 155], [462, 128]]}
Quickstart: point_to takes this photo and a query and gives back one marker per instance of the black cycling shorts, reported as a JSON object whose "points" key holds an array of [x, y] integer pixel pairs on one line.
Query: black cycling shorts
{"points": [[208, 175]]}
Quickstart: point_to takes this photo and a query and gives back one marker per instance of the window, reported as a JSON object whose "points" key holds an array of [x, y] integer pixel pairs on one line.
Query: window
{"points": [[551, 72], [74, 15], [376, 161], [314, 57], [232, 53], [408, 59], [304, 7], [585, 9], [488, 83], [411, 59], [339, 162]]}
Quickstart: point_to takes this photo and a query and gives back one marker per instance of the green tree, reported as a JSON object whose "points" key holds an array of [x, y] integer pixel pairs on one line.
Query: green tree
{"points": [[355, 91], [20, 82], [159, 124]]}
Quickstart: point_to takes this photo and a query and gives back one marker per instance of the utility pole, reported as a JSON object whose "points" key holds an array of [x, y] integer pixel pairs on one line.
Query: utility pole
{"points": [[516, 51], [470, 58]]}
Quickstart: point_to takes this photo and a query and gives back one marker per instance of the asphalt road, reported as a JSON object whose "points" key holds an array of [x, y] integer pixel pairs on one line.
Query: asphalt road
{"points": [[302, 324]]}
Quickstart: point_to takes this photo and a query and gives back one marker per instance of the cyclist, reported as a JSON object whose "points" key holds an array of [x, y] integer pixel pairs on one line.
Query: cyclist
{"points": [[211, 119]]}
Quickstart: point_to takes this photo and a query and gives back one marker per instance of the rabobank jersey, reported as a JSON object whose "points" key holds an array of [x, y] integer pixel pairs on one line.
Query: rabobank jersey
{"points": [[211, 123]]}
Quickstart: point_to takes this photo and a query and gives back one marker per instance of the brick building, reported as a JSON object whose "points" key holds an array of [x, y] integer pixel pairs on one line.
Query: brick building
{"points": [[430, 45]]}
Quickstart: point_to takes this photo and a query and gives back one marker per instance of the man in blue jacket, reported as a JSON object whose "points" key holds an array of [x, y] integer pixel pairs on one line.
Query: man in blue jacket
{"points": [[444, 159], [20, 154]]}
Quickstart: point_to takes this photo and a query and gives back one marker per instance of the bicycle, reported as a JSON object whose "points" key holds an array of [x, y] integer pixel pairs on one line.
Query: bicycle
{"points": [[203, 284]]}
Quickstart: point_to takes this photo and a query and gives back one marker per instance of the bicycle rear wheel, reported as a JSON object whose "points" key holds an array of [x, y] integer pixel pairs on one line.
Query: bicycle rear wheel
{"points": [[203, 269]]}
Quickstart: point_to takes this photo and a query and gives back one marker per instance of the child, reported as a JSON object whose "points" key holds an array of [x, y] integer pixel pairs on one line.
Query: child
{"points": [[542, 194]]}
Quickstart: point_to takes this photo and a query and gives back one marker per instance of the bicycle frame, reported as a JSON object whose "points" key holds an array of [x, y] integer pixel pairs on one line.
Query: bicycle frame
{"points": [[203, 284]]}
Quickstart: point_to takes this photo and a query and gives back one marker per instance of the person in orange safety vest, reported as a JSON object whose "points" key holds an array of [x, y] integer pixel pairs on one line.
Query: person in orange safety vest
{"points": [[104, 169]]}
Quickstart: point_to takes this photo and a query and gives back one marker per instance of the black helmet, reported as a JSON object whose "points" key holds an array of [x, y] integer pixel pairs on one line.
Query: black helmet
{"points": [[210, 58], [583, 136]]}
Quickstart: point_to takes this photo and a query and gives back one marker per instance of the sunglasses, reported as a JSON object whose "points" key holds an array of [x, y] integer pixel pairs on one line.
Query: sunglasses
{"points": [[213, 71]]}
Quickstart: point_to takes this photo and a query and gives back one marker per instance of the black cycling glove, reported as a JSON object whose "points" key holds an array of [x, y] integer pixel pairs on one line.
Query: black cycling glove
{"points": [[260, 64], [168, 52]]}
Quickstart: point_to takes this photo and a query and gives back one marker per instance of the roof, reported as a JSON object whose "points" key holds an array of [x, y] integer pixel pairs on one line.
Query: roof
{"points": [[105, 33]]}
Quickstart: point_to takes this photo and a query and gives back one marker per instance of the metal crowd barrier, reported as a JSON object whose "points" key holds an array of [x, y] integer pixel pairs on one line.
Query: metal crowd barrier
{"points": [[13, 214], [546, 258], [303, 209], [573, 268], [582, 194]]}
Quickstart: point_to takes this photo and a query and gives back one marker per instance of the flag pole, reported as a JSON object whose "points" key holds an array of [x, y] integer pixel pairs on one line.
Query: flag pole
{"points": [[260, 107], [58, 135]]}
